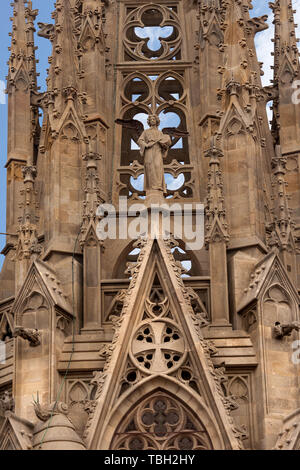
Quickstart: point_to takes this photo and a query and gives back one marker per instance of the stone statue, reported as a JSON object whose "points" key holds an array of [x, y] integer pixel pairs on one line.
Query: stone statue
{"points": [[154, 146]]}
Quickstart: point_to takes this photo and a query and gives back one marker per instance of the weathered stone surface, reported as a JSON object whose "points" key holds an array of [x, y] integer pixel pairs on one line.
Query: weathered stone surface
{"points": [[147, 340]]}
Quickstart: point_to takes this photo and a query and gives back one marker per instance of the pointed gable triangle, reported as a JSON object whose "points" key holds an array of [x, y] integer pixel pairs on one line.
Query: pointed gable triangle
{"points": [[21, 77], [89, 235], [214, 31], [15, 433], [41, 283], [70, 125], [90, 36], [287, 70], [158, 349], [269, 271]]}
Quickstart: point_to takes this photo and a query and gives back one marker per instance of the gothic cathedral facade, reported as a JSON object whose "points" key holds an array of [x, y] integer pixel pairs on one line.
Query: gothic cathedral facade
{"points": [[145, 343]]}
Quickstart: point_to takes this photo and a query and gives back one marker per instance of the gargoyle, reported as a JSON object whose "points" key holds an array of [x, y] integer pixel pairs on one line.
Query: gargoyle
{"points": [[285, 329], [36, 99], [46, 30], [33, 336], [259, 23], [241, 432], [271, 92]]}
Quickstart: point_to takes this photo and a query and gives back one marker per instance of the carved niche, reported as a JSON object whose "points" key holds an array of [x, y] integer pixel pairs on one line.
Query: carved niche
{"points": [[238, 387], [277, 307], [35, 312], [78, 396]]}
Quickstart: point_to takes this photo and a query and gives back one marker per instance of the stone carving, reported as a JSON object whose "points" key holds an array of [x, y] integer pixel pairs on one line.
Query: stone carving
{"points": [[289, 436], [158, 347], [131, 377], [285, 329], [28, 334], [46, 30], [106, 350], [154, 145], [102, 65], [44, 413], [153, 148], [97, 383], [186, 374], [157, 308], [7, 403], [161, 422], [238, 387], [136, 46], [258, 24]]}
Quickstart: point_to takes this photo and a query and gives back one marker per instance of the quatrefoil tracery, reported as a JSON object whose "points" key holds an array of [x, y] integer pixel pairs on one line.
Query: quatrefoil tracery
{"points": [[150, 16]]}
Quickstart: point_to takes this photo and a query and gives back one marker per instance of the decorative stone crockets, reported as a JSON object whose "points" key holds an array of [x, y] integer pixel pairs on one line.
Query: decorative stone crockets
{"points": [[158, 352], [289, 436]]}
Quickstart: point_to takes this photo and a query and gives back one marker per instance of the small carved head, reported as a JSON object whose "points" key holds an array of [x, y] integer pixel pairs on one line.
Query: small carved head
{"points": [[153, 120]]}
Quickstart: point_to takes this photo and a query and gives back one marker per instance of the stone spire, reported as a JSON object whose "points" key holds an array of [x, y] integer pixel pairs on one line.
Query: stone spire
{"points": [[208, 57], [23, 126], [286, 70], [280, 232], [286, 109], [241, 132], [90, 20], [63, 79], [286, 54], [22, 80], [239, 74]]}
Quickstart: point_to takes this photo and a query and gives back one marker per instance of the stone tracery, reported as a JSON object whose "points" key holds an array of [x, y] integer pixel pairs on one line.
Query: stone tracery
{"points": [[161, 422]]}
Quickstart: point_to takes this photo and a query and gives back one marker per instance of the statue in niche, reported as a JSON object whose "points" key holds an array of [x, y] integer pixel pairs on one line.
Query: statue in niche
{"points": [[154, 145]]}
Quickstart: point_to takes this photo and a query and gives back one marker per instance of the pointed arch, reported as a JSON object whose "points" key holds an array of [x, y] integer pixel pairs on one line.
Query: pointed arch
{"points": [[172, 338], [187, 400]]}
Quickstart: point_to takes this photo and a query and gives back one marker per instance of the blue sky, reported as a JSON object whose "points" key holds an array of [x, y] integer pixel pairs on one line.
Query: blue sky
{"points": [[45, 7]]}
